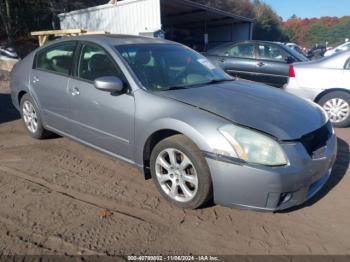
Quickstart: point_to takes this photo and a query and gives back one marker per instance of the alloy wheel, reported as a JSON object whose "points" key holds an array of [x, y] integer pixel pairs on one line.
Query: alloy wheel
{"points": [[30, 116], [176, 175], [337, 109]]}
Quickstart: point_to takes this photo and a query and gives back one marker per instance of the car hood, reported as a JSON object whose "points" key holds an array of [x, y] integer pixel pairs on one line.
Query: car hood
{"points": [[257, 106]]}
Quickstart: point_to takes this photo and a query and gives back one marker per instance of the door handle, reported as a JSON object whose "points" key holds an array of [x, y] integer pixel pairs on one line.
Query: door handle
{"points": [[261, 64], [222, 60], [75, 91], [35, 79]]}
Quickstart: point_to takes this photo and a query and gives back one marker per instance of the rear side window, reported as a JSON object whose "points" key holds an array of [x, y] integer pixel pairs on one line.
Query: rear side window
{"points": [[242, 51], [58, 59], [94, 62]]}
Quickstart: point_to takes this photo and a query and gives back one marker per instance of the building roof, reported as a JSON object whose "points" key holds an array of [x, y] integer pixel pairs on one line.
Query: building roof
{"points": [[195, 7]]}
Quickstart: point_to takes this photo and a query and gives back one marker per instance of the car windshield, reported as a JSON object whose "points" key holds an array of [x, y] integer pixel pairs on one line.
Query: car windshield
{"points": [[162, 67]]}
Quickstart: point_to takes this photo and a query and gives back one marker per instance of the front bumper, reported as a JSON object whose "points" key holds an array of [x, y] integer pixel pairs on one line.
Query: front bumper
{"points": [[272, 189]]}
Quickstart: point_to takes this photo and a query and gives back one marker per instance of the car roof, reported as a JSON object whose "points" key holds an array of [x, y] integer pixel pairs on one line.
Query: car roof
{"points": [[224, 45], [262, 41], [343, 44], [244, 42], [113, 39], [336, 61]]}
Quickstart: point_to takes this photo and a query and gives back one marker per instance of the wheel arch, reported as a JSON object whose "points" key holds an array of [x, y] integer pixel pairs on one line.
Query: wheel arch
{"points": [[20, 95], [151, 142], [162, 130], [328, 91]]}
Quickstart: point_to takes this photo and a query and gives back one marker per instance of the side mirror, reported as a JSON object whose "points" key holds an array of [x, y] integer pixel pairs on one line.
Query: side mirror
{"points": [[290, 60], [110, 84]]}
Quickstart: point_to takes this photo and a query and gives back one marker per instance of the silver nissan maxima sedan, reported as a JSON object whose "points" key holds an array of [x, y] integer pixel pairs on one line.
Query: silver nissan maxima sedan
{"points": [[199, 133]]}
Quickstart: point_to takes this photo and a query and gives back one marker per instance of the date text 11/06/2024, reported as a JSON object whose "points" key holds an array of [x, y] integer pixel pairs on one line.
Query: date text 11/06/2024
{"points": [[173, 258]]}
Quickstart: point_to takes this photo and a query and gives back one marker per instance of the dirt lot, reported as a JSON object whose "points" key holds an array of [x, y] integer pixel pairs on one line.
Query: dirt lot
{"points": [[53, 193]]}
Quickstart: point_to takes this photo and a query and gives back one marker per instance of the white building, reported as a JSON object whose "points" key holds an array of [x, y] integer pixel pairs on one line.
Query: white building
{"points": [[183, 21]]}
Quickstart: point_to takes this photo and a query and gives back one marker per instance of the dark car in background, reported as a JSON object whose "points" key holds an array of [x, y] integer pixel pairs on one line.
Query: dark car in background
{"points": [[259, 61], [316, 52]]}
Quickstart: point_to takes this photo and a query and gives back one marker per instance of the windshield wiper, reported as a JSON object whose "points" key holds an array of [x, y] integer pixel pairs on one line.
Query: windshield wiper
{"points": [[176, 88], [214, 81]]}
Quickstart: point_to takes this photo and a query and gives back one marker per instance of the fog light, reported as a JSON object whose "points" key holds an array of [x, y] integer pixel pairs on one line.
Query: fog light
{"points": [[285, 197]]}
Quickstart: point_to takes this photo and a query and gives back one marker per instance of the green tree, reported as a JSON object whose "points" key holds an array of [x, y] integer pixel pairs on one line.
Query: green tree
{"points": [[268, 24], [6, 19], [20, 17]]}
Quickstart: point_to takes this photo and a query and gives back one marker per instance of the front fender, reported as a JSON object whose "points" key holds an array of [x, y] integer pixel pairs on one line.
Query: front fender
{"points": [[156, 113], [169, 124]]}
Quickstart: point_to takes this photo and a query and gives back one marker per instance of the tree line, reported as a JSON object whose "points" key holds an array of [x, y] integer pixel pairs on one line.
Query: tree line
{"points": [[318, 31]]}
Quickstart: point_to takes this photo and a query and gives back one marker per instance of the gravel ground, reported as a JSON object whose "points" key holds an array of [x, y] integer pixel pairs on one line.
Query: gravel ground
{"points": [[54, 197]]}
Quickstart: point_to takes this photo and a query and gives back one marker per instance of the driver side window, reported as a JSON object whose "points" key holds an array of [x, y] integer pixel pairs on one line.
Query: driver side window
{"points": [[94, 62], [271, 52]]}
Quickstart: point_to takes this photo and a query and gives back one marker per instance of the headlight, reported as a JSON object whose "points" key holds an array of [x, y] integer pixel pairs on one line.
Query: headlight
{"points": [[254, 147]]}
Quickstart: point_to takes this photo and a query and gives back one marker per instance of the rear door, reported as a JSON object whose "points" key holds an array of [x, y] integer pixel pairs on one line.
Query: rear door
{"points": [[238, 60], [49, 80], [102, 119], [271, 64]]}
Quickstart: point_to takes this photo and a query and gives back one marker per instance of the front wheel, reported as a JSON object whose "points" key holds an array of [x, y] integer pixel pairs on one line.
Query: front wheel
{"points": [[337, 106], [181, 173]]}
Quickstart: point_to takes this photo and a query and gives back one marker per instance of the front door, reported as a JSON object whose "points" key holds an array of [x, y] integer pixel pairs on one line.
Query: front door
{"points": [[271, 64], [102, 119], [49, 81]]}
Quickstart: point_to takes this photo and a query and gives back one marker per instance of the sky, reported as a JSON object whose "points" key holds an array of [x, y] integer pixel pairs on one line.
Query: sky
{"points": [[310, 8]]}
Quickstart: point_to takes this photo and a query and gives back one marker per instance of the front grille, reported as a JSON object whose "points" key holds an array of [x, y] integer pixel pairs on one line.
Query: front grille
{"points": [[317, 139]]}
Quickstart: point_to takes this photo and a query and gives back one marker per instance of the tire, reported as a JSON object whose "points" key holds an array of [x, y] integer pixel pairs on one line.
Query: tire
{"points": [[337, 106], [31, 118], [192, 181]]}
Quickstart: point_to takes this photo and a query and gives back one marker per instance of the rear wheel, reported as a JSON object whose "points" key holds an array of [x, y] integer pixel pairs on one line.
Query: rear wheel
{"points": [[31, 118], [337, 106], [181, 173]]}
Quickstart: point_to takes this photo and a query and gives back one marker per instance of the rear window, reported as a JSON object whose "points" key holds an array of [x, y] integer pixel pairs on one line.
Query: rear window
{"points": [[298, 55], [57, 59]]}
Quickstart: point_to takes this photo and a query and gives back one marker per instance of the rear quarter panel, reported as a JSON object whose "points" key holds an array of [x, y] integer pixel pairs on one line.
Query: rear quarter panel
{"points": [[318, 78], [20, 78]]}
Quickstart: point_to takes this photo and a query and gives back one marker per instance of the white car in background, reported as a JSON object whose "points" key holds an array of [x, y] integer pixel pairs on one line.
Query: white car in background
{"points": [[326, 82], [341, 48]]}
